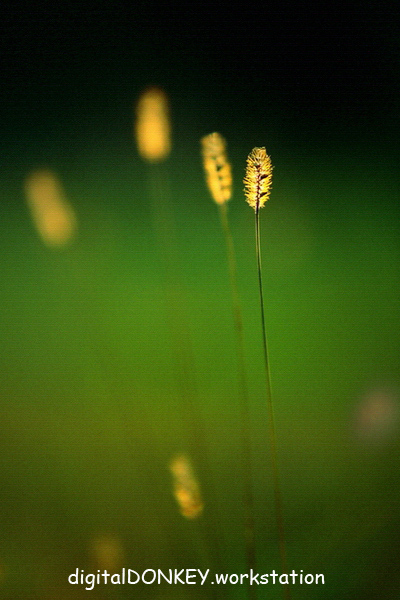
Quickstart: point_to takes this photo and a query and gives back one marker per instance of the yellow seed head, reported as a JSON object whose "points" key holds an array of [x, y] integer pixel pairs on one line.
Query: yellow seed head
{"points": [[217, 168], [51, 212], [186, 487], [152, 126], [258, 178]]}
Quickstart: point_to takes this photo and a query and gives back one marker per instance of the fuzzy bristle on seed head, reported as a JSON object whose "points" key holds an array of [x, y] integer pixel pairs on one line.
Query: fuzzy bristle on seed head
{"points": [[258, 178], [217, 168]]}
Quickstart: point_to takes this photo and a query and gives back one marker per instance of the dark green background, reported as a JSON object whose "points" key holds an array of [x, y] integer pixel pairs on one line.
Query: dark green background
{"points": [[90, 406]]}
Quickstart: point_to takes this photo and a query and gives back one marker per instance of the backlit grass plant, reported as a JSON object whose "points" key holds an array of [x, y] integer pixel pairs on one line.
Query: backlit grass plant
{"points": [[257, 182]]}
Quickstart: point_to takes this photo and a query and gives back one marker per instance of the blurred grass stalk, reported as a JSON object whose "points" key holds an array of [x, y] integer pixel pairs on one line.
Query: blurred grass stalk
{"points": [[152, 129], [153, 141]]}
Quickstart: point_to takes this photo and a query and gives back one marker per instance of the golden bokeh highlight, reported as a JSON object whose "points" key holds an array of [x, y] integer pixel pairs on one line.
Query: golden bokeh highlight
{"points": [[152, 126], [217, 167], [186, 487], [258, 178], [106, 552], [51, 212], [377, 416]]}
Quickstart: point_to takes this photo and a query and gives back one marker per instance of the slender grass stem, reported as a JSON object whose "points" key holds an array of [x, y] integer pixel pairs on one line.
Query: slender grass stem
{"points": [[176, 310], [271, 418], [248, 497]]}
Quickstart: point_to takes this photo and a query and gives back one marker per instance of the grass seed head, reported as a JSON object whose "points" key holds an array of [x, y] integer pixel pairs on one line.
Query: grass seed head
{"points": [[186, 487], [258, 178], [152, 125], [52, 214], [217, 167]]}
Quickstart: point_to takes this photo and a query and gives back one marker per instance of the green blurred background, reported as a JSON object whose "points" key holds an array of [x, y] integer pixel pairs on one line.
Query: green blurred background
{"points": [[91, 402]]}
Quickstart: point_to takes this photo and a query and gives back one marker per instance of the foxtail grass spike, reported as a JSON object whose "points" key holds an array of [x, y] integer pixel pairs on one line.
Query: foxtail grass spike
{"points": [[257, 182], [217, 168], [258, 178], [152, 126]]}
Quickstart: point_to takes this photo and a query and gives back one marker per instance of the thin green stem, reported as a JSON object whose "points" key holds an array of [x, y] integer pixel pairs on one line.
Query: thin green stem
{"points": [[248, 498], [271, 418]]}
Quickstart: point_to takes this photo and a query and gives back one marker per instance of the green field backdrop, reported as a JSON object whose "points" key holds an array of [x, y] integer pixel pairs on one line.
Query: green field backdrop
{"points": [[94, 398]]}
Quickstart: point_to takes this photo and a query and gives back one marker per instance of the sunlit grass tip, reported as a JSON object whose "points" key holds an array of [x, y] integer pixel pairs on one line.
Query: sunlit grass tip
{"points": [[152, 125], [217, 167], [258, 178]]}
